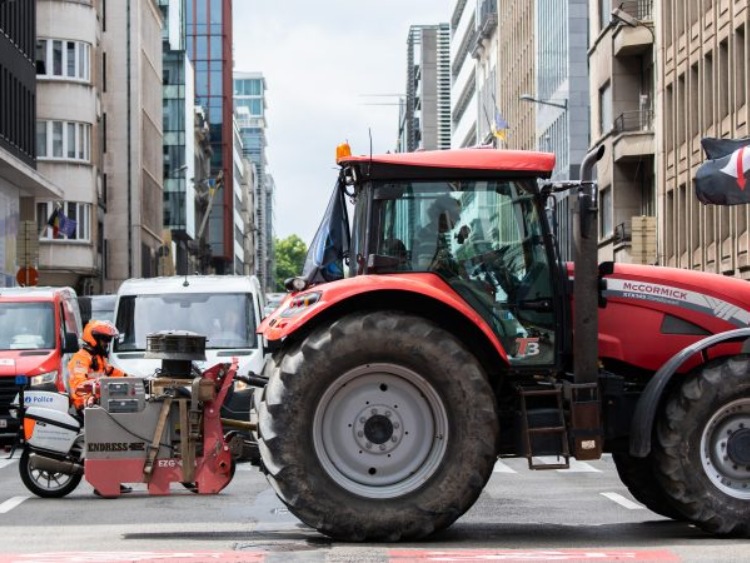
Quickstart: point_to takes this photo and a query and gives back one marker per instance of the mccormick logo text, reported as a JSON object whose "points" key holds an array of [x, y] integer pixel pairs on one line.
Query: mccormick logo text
{"points": [[655, 290]]}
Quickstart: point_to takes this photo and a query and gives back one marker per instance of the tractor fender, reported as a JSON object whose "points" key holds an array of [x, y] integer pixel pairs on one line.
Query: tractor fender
{"points": [[645, 410], [298, 309]]}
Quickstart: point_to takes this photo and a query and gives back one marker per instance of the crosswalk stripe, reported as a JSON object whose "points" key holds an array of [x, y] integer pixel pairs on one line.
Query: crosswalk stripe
{"points": [[575, 465], [6, 462], [500, 467], [622, 501], [10, 504]]}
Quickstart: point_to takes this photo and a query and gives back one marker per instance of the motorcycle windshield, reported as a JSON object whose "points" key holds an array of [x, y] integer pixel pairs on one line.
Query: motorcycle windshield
{"points": [[330, 246]]}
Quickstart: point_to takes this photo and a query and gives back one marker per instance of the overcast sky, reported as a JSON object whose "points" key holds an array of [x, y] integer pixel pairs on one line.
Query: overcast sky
{"points": [[324, 61]]}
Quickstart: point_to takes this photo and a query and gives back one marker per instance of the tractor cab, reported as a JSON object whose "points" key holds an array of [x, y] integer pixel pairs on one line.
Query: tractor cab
{"points": [[475, 218]]}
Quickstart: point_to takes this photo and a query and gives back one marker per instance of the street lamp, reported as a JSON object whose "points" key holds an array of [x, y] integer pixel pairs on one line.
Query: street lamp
{"points": [[530, 98]]}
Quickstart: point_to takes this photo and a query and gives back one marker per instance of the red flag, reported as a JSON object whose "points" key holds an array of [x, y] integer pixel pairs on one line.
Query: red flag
{"points": [[54, 222]]}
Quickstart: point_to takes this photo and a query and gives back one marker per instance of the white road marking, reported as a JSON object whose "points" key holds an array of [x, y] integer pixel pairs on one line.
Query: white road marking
{"points": [[6, 462], [500, 467], [10, 504], [622, 501], [575, 465]]}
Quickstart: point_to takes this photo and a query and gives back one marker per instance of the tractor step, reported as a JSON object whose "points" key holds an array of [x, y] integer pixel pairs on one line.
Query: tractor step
{"points": [[538, 423]]}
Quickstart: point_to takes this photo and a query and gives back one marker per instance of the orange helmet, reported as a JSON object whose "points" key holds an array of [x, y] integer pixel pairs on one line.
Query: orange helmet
{"points": [[96, 330]]}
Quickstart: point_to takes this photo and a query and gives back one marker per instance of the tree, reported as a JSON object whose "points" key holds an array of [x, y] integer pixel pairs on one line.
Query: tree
{"points": [[290, 258]]}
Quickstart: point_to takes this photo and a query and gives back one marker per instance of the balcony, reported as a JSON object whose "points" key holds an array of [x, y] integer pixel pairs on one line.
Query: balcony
{"points": [[487, 18], [634, 135], [486, 25], [630, 40]]}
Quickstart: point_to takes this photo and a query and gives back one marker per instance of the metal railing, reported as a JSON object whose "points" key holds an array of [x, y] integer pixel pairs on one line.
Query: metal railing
{"points": [[637, 120], [640, 9]]}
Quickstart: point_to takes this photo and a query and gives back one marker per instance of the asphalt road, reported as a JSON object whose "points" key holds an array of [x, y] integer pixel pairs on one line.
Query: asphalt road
{"points": [[580, 514]]}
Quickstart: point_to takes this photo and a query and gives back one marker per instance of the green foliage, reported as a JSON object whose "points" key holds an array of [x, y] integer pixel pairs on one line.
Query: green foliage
{"points": [[290, 258]]}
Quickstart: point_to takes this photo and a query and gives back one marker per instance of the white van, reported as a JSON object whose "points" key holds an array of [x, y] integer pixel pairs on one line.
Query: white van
{"points": [[225, 309]]}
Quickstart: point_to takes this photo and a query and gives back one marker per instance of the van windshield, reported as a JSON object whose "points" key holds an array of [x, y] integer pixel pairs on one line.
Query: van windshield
{"points": [[226, 319], [27, 326]]}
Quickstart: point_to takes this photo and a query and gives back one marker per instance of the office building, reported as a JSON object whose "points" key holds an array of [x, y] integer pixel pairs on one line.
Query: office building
{"points": [[180, 179], [426, 120], [132, 140], [463, 69], [68, 145], [209, 47], [702, 79], [250, 111], [485, 50], [517, 72], [20, 181], [621, 61]]}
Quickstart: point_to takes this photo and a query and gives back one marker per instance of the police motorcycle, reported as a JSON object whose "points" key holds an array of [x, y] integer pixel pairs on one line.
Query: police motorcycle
{"points": [[51, 440], [159, 430]]}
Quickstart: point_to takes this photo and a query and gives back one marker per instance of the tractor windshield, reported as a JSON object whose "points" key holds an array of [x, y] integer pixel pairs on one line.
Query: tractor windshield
{"points": [[485, 239]]}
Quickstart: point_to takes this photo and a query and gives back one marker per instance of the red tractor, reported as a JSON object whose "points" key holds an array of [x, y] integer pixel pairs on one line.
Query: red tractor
{"points": [[440, 330]]}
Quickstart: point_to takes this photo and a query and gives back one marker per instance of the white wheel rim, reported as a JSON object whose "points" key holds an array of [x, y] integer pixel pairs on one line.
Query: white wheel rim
{"points": [[725, 449], [380, 431]]}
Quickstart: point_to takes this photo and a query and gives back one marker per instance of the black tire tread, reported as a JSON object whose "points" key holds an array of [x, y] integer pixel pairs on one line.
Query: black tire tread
{"points": [[637, 474], [308, 493], [678, 466]]}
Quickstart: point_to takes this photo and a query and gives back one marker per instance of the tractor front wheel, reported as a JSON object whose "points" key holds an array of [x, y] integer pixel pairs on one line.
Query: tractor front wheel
{"points": [[378, 428], [703, 447]]}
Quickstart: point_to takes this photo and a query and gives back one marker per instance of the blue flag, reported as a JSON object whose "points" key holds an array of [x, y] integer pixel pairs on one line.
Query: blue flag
{"points": [[67, 226]]}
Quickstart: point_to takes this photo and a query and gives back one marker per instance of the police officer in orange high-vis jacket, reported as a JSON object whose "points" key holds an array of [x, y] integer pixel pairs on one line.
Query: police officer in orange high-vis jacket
{"points": [[90, 362]]}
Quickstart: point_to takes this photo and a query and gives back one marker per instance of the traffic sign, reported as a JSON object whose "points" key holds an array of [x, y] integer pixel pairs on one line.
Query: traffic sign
{"points": [[27, 276]]}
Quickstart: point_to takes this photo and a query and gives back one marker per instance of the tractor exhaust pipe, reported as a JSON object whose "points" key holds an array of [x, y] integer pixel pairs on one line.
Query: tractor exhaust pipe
{"points": [[583, 394], [44, 463], [585, 289]]}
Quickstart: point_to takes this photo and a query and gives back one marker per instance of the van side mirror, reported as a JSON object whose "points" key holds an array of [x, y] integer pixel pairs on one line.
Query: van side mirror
{"points": [[70, 345]]}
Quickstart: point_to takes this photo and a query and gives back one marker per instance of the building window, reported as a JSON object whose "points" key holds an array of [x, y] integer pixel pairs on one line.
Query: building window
{"points": [[69, 59], [605, 218], [605, 109], [79, 213], [605, 13], [724, 79], [64, 140], [740, 68]]}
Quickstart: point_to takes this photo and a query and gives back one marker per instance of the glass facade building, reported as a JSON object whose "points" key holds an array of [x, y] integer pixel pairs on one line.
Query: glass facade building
{"points": [[178, 124], [209, 47], [250, 106]]}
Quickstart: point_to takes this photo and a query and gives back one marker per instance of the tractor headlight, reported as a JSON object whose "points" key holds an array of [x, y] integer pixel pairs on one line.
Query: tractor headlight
{"points": [[43, 378], [300, 302]]}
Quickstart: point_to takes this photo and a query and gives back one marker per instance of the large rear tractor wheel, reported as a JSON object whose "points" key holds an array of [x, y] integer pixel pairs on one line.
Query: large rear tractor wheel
{"points": [[703, 447], [637, 474], [380, 427]]}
